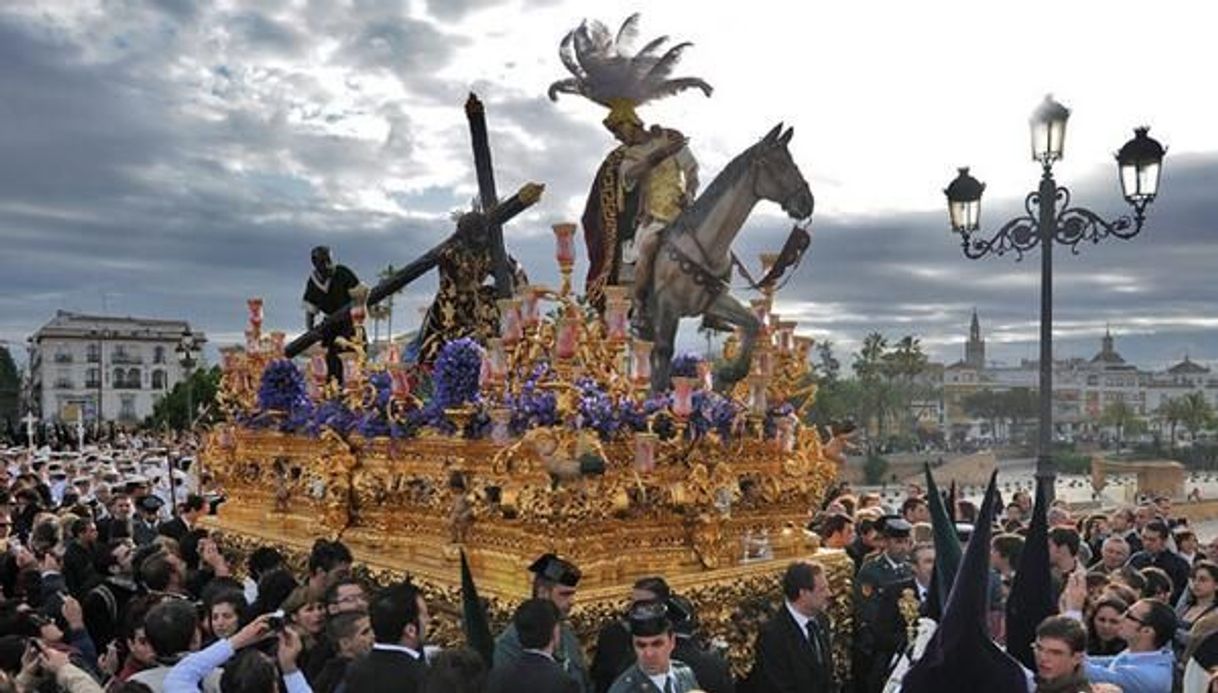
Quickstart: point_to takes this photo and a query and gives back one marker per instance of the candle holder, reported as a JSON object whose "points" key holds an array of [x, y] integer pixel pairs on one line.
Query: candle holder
{"points": [[640, 363], [564, 236], [352, 372], [359, 308], [400, 382], [277, 341], [617, 310], [530, 304], [497, 359], [645, 452], [510, 330], [255, 310], [763, 360], [501, 418], [253, 341], [567, 342], [786, 335], [758, 403], [784, 434]]}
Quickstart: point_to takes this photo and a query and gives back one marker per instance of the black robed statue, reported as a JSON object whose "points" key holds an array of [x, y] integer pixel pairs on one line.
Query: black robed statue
{"points": [[328, 291]]}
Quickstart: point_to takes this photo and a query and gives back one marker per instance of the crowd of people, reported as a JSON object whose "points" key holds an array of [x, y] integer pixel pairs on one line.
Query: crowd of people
{"points": [[1133, 586], [108, 582]]}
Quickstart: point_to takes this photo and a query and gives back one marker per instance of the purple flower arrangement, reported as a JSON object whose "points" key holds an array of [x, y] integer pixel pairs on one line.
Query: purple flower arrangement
{"points": [[455, 379], [283, 403], [282, 387]]}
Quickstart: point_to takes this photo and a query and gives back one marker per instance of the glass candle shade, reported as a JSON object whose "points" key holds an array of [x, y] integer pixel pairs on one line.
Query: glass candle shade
{"points": [[683, 396], [510, 329], [255, 309], [564, 237], [400, 382], [351, 369], [785, 433], [501, 417], [277, 339], [786, 335], [645, 452], [568, 337], [758, 403], [496, 359], [763, 361], [617, 323], [317, 367], [640, 361], [530, 304], [252, 340]]}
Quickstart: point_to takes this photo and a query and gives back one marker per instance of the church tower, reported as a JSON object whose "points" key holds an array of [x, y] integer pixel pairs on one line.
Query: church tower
{"points": [[974, 349]]}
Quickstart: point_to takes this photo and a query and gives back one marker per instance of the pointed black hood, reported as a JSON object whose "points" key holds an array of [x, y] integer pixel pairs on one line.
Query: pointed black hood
{"points": [[960, 656], [1031, 598]]}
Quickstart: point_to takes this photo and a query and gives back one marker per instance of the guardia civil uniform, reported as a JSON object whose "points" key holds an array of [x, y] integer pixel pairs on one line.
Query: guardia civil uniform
{"points": [[647, 620], [878, 573]]}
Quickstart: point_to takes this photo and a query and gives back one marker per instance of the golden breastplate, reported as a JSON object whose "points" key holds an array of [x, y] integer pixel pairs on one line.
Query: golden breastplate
{"points": [[665, 187]]}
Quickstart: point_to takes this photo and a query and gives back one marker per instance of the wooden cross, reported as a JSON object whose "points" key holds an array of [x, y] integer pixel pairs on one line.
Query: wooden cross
{"points": [[497, 214], [475, 112]]}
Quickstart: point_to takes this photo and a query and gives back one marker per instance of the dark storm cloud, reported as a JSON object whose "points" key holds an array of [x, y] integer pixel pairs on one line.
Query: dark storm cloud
{"points": [[124, 188]]}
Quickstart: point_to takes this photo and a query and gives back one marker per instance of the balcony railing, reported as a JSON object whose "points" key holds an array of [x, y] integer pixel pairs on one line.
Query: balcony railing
{"points": [[93, 385], [127, 386], [61, 384], [93, 357], [131, 359], [63, 358]]}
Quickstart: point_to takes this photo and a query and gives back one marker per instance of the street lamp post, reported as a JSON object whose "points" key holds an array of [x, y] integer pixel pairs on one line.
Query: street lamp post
{"points": [[1050, 219], [187, 350]]}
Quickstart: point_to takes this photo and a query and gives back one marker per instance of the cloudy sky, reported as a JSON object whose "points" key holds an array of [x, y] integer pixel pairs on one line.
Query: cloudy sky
{"points": [[169, 158]]}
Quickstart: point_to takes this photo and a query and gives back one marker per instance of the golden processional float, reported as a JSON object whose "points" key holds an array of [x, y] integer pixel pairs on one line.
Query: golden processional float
{"points": [[542, 433]]}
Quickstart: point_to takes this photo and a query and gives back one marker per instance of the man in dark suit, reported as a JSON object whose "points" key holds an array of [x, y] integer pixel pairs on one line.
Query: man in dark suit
{"points": [[534, 671], [1155, 553], [399, 623], [709, 666], [793, 649], [188, 518]]}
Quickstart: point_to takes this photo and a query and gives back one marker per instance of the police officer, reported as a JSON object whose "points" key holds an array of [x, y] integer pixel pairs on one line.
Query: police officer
{"points": [[883, 570], [654, 670], [554, 579]]}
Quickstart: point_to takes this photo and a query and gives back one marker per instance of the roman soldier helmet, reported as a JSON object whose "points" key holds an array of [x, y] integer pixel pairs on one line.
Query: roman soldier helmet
{"points": [[606, 70]]}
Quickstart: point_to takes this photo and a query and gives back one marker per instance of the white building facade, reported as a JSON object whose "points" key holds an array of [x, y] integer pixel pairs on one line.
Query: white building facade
{"points": [[126, 364]]}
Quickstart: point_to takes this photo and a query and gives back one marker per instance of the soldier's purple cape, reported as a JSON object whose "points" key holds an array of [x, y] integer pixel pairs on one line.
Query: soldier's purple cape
{"points": [[960, 655], [1031, 598]]}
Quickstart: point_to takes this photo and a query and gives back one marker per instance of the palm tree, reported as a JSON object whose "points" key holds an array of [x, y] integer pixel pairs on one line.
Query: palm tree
{"points": [[1119, 415], [1196, 413], [871, 369], [1172, 412]]}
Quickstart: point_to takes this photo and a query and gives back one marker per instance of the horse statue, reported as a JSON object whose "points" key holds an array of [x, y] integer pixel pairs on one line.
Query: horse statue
{"points": [[693, 263]]}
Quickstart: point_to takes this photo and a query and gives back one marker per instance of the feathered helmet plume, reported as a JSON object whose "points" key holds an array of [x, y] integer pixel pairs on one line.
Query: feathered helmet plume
{"points": [[605, 69]]}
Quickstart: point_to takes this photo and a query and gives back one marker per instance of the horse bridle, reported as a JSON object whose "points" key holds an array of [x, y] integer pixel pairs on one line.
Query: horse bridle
{"points": [[756, 165]]}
